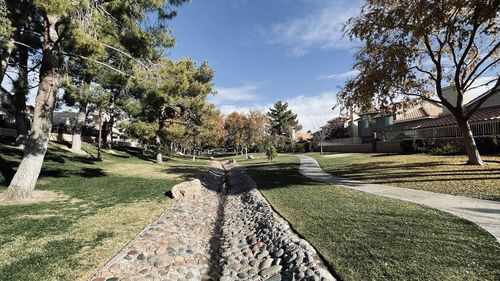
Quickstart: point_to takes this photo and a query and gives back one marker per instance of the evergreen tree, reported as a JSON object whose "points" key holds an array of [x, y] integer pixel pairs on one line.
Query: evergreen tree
{"points": [[84, 30], [282, 123], [174, 93]]}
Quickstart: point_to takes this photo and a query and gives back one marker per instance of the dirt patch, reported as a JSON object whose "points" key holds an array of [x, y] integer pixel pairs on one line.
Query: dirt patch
{"points": [[37, 197], [148, 171]]}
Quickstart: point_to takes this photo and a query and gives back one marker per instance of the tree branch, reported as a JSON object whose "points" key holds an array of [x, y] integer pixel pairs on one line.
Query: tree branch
{"points": [[126, 54], [424, 98], [102, 63], [439, 90], [426, 72], [490, 53], [27, 46]]}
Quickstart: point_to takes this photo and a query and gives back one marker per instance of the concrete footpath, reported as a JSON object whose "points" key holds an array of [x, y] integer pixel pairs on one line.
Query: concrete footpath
{"points": [[484, 213]]}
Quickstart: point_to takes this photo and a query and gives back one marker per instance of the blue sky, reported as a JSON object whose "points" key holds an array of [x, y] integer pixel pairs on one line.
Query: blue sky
{"points": [[264, 51]]}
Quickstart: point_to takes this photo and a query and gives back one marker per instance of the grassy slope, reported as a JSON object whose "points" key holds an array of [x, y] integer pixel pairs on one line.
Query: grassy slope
{"points": [[444, 174], [102, 206], [367, 237]]}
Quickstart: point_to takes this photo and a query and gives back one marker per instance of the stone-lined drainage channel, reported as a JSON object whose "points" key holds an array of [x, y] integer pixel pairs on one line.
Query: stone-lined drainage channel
{"points": [[229, 233]]}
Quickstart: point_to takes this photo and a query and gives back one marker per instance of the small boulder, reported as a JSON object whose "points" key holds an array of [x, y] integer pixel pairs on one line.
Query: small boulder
{"points": [[250, 157], [187, 190]]}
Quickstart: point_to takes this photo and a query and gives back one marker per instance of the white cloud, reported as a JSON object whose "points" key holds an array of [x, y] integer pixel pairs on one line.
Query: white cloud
{"points": [[339, 76], [309, 109], [321, 29], [314, 109], [245, 92]]}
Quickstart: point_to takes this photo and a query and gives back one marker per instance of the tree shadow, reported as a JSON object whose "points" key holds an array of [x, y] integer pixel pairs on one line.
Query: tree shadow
{"points": [[483, 210], [429, 176], [92, 172], [213, 179], [136, 152], [11, 151], [187, 172], [278, 175], [61, 173], [6, 170], [54, 158]]}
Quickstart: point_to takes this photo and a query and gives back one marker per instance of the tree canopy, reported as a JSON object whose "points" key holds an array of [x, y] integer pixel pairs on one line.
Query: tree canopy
{"points": [[114, 35], [282, 123], [415, 48]]}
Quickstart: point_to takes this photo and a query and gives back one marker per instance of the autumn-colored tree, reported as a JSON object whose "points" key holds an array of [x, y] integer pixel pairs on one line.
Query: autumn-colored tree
{"points": [[211, 132], [257, 128], [414, 48], [235, 126]]}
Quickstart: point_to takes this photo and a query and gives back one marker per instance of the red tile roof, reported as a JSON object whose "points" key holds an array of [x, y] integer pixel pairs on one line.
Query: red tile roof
{"points": [[482, 114], [421, 112]]}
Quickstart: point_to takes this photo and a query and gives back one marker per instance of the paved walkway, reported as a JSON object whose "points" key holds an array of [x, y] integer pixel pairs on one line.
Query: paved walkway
{"points": [[484, 213]]}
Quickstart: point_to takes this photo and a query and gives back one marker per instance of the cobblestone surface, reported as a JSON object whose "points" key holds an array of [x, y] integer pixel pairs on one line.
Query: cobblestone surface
{"points": [[226, 234], [258, 243], [177, 246]]}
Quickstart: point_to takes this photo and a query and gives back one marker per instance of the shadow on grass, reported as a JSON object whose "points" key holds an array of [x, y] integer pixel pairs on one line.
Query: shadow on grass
{"points": [[278, 175], [84, 172], [136, 152], [6, 170], [483, 210], [8, 151], [44, 265], [187, 172], [393, 172]]}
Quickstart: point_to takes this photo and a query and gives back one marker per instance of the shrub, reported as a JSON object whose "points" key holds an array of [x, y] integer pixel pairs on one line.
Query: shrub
{"points": [[449, 148], [271, 152], [423, 145], [300, 147], [407, 146], [488, 145]]}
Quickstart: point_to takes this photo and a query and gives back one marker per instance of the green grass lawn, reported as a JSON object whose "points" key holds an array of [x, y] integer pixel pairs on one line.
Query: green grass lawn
{"points": [[367, 237], [100, 207], [443, 174]]}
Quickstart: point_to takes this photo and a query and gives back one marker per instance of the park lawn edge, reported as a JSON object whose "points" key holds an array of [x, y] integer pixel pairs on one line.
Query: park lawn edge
{"points": [[98, 211], [275, 198], [435, 173]]}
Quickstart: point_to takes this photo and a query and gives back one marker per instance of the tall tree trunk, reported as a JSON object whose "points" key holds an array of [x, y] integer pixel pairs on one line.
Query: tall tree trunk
{"points": [[321, 146], [111, 122], [76, 144], [23, 183], [99, 141], [470, 143], [22, 128], [21, 91], [161, 125], [105, 131], [159, 156]]}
